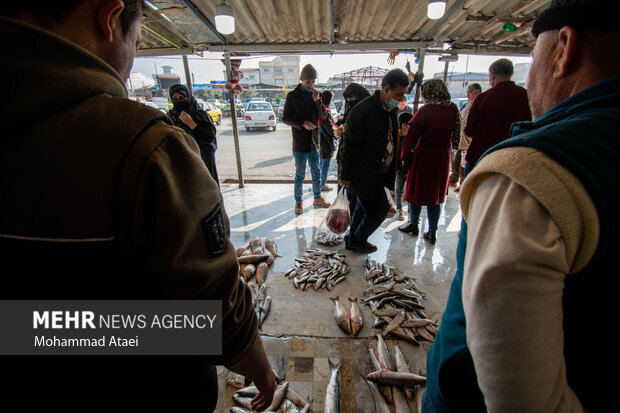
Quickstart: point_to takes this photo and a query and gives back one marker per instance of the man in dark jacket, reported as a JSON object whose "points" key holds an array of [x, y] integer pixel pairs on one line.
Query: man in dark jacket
{"points": [[103, 199], [367, 154], [302, 110], [494, 111]]}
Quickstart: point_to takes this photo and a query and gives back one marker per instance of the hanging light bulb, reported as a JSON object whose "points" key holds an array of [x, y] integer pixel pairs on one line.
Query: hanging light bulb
{"points": [[436, 9], [224, 19]]}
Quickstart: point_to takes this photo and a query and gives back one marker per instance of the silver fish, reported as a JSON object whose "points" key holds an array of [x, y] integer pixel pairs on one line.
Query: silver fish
{"points": [[332, 397], [386, 391], [245, 402], [394, 378], [278, 396], [249, 391], [394, 324], [403, 367], [384, 355], [400, 402], [380, 404]]}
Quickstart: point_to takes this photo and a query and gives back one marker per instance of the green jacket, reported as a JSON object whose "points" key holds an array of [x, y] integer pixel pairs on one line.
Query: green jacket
{"points": [[363, 144]]}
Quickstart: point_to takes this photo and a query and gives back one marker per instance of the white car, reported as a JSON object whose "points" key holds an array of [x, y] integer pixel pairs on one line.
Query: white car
{"points": [[259, 115]]}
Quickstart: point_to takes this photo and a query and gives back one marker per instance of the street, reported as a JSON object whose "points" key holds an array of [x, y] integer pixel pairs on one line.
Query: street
{"points": [[265, 154]]}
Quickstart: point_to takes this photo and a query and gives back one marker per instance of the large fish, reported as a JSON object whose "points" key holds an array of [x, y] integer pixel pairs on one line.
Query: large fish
{"points": [[400, 401], [261, 273], [341, 315], [403, 367], [394, 324], [396, 379], [384, 355], [355, 317], [386, 391], [380, 404], [278, 396], [270, 246], [248, 271], [332, 397]]}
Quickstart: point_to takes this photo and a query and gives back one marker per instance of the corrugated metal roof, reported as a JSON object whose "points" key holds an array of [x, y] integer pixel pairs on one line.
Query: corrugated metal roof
{"points": [[470, 26]]}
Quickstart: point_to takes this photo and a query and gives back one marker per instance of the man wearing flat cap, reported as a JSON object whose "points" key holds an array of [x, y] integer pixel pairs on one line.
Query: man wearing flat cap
{"points": [[533, 297], [302, 110]]}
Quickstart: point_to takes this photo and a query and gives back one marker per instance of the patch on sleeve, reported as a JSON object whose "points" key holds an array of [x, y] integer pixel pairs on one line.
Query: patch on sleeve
{"points": [[215, 233]]}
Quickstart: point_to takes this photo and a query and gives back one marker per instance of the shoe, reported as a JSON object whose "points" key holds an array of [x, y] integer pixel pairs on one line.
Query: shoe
{"points": [[321, 202], [409, 228], [399, 215], [299, 208], [430, 236], [326, 188], [366, 248]]}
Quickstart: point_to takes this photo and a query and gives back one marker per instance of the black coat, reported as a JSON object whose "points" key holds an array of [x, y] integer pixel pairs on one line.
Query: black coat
{"points": [[363, 144], [326, 130], [296, 112]]}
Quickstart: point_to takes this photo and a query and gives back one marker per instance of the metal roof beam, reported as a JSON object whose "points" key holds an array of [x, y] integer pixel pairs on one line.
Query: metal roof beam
{"points": [[203, 19], [319, 48]]}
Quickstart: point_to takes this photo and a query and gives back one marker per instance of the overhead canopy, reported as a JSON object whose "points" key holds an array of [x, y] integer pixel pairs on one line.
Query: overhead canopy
{"points": [[495, 27]]}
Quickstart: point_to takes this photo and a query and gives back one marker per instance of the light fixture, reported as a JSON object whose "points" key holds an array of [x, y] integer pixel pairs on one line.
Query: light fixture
{"points": [[224, 19], [436, 9]]}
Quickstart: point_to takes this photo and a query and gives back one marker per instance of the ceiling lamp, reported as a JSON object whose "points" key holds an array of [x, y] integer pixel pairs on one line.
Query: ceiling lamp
{"points": [[224, 19], [436, 9]]}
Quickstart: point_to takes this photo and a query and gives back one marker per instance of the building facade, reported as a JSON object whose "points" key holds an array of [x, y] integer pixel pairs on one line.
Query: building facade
{"points": [[281, 71]]}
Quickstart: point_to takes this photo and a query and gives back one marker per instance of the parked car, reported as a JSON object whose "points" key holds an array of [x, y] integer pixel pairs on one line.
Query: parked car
{"points": [[280, 110], [259, 115], [153, 105], [215, 102], [214, 112]]}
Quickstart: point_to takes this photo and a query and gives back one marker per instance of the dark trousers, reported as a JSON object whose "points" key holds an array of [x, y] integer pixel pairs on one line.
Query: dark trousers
{"points": [[368, 216]]}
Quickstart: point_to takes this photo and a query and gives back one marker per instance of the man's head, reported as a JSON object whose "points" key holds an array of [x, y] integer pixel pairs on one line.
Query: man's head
{"points": [[473, 90], [500, 70], [574, 50], [308, 76], [403, 123], [394, 87], [110, 29]]}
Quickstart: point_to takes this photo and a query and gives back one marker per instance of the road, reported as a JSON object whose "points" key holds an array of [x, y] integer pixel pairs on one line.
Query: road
{"points": [[265, 154]]}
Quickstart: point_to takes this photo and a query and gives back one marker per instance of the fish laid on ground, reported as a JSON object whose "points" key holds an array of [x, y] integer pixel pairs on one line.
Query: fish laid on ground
{"points": [[396, 379], [245, 402], [278, 396], [249, 391], [328, 238], [400, 401], [380, 404], [403, 367], [332, 397], [383, 355], [355, 317], [252, 258], [264, 311], [391, 293], [261, 273], [318, 268], [236, 380], [386, 391], [270, 246], [341, 315], [248, 271]]}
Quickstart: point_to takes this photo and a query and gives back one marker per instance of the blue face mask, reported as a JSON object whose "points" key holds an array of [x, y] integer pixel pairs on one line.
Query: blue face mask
{"points": [[392, 104]]}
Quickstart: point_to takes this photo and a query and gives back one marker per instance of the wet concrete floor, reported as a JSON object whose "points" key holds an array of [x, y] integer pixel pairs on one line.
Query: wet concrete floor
{"points": [[300, 333]]}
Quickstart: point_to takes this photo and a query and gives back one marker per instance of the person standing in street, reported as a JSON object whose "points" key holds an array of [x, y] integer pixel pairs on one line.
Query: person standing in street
{"points": [[539, 239], [401, 174], [302, 110], [368, 160], [104, 199], [458, 165], [326, 130], [433, 131], [494, 111], [187, 115]]}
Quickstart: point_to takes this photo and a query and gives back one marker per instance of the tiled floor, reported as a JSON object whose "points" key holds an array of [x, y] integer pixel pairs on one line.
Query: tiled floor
{"points": [[300, 334]]}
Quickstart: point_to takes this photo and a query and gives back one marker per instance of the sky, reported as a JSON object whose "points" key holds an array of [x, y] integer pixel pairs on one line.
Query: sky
{"points": [[209, 67]]}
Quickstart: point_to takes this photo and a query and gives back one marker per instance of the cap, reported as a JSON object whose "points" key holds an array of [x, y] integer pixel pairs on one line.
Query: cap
{"points": [[580, 14]]}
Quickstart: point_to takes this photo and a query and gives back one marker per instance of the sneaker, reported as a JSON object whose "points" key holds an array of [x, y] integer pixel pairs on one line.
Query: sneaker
{"points": [[366, 248], [400, 215], [326, 188], [321, 202], [299, 208]]}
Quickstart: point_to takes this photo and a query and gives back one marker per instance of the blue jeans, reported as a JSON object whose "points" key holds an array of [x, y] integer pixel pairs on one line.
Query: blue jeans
{"points": [[325, 163], [300, 172], [401, 177], [368, 216], [432, 211]]}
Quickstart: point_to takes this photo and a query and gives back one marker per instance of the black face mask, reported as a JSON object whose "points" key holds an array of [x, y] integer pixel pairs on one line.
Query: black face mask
{"points": [[180, 106]]}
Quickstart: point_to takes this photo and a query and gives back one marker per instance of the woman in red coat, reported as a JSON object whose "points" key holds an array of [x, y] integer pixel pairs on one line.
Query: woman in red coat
{"points": [[433, 131]]}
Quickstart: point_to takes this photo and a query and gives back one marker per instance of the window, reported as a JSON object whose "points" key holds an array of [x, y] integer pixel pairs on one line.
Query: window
{"points": [[258, 106], [279, 82], [252, 77], [290, 70], [266, 70], [278, 70]]}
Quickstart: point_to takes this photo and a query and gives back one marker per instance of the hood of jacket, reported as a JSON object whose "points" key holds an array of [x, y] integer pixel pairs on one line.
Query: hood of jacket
{"points": [[75, 74]]}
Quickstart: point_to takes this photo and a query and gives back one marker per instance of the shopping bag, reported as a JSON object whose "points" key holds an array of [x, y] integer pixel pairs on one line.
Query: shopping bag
{"points": [[338, 216], [392, 212]]}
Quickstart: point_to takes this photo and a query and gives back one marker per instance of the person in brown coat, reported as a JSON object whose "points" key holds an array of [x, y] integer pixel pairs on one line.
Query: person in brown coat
{"points": [[302, 110], [104, 199], [434, 130]]}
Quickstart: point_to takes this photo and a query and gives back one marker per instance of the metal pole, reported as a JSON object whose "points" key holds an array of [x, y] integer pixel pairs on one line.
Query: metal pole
{"points": [[233, 114], [188, 79], [416, 99], [445, 73]]}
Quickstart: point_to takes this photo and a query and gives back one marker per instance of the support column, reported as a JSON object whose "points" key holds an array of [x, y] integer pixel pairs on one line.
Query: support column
{"points": [[233, 114], [416, 100], [188, 78]]}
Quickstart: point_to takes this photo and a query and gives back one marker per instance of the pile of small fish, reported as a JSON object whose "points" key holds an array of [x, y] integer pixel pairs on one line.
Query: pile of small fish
{"points": [[285, 399], [318, 268], [328, 238], [255, 258], [390, 380], [395, 302], [350, 321], [262, 302]]}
